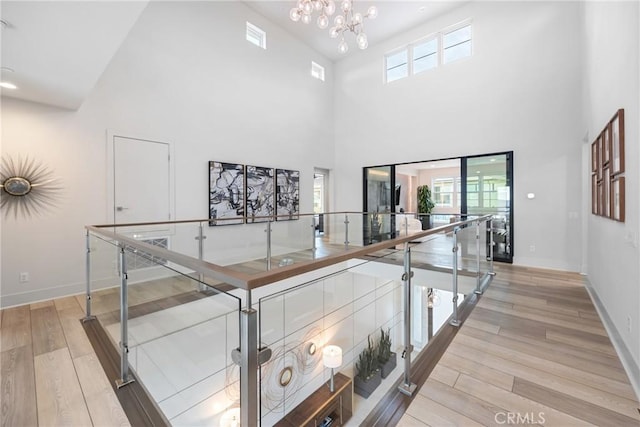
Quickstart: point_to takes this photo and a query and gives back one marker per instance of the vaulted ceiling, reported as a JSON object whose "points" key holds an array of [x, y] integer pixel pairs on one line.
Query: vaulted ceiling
{"points": [[55, 51]]}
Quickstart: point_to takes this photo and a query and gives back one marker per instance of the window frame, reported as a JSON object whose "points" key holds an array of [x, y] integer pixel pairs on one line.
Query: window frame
{"points": [[440, 50], [394, 52], [250, 27], [446, 180], [317, 67], [425, 40], [450, 29]]}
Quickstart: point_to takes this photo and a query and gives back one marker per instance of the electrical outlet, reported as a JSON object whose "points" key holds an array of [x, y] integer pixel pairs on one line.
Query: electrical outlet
{"points": [[532, 248], [629, 324], [24, 277]]}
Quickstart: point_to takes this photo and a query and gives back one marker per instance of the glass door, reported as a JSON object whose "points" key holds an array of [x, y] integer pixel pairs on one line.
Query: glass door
{"points": [[320, 198], [379, 203], [488, 189]]}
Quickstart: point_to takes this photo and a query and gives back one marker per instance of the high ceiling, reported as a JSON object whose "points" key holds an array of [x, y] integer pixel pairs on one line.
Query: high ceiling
{"points": [[57, 50], [394, 16]]}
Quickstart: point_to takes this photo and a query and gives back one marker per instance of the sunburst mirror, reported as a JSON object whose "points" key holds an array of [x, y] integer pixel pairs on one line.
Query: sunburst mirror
{"points": [[28, 187]]}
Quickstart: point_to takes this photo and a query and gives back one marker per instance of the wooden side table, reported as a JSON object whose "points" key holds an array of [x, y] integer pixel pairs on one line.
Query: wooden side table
{"points": [[323, 408]]}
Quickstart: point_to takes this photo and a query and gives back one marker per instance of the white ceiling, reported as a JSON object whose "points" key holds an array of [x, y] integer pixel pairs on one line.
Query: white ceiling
{"points": [[59, 49], [394, 16]]}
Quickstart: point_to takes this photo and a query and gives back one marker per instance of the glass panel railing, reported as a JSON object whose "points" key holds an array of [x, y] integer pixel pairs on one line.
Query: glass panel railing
{"points": [[182, 352], [344, 305], [344, 227], [485, 256], [241, 247], [104, 280], [292, 240], [338, 302], [178, 334]]}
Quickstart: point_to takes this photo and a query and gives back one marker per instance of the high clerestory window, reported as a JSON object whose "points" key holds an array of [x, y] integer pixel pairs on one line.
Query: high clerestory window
{"points": [[425, 55], [456, 44], [317, 71], [256, 35], [446, 46], [397, 65]]}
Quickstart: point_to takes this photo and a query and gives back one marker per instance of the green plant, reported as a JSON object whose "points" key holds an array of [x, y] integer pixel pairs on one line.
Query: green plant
{"points": [[384, 347], [367, 363], [425, 202]]}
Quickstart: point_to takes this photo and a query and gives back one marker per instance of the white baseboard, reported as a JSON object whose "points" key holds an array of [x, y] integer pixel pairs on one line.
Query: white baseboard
{"points": [[630, 365], [38, 295]]}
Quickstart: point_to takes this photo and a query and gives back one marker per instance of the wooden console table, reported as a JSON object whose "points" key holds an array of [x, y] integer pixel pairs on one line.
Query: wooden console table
{"points": [[321, 405]]}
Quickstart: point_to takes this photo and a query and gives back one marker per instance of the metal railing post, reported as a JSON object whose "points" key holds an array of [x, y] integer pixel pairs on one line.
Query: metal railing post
{"points": [[88, 315], [124, 318], [491, 272], [248, 365], [454, 317], [346, 231], [269, 244], [478, 290], [407, 387], [313, 236], [200, 239], [406, 226]]}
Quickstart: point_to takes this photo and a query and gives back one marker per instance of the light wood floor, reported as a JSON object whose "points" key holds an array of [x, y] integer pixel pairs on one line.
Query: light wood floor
{"points": [[50, 373], [533, 351], [533, 346]]}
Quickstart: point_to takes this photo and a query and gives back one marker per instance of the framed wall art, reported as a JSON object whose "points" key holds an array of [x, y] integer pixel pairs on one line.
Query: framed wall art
{"points": [[287, 194], [594, 194], [599, 171], [260, 196], [617, 142], [226, 193], [617, 198], [594, 157], [607, 170], [606, 146], [600, 198], [606, 199]]}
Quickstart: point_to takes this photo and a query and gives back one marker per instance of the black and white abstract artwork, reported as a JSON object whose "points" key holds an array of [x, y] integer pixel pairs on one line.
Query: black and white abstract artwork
{"points": [[260, 196], [287, 194], [226, 193]]}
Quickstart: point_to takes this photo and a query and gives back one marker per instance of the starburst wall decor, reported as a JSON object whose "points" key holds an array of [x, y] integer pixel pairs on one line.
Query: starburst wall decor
{"points": [[27, 187]]}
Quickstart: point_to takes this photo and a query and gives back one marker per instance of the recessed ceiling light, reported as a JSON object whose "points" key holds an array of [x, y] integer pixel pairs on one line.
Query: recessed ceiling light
{"points": [[477, 171], [422, 8], [492, 160], [8, 85]]}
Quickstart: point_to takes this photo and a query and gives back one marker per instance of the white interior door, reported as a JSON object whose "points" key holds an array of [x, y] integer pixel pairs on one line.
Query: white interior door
{"points": [[141, 180]]}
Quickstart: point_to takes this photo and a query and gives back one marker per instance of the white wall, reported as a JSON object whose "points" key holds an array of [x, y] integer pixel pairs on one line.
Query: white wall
{"points": [[185, 75], [612, 73], [520, 91]]}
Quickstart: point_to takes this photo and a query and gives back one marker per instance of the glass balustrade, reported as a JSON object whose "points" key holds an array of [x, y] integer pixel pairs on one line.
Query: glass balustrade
{"points": [[181, 299]]}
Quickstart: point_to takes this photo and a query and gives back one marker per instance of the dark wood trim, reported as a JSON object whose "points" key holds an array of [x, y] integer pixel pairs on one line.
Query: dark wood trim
{"points": [[140, 409], [394, 404]]}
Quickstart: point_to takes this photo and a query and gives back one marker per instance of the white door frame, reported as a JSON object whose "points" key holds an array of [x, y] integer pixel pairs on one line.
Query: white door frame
{"points": [[109, 146]]}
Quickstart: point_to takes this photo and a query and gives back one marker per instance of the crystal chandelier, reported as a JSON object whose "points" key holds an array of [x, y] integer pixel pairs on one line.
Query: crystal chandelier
{"points": [[348, 20]]}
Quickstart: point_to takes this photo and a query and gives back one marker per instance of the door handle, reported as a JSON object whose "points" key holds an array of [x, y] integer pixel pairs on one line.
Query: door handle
{"points": [[121, 208]]}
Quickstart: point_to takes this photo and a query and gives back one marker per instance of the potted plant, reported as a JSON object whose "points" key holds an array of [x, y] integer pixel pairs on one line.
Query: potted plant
{"points": [[425, 206], [386, 357], [367, 378]]}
